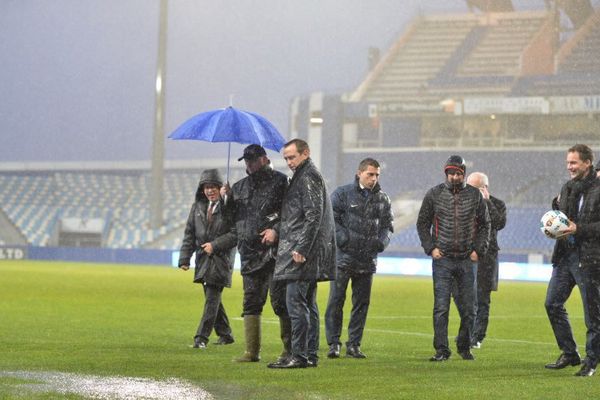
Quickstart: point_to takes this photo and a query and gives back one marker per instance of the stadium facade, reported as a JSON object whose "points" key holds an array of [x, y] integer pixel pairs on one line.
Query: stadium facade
{"points": [[508, 90]]}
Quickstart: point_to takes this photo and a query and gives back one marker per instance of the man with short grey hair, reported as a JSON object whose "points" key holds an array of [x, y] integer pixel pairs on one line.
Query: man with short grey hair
{"points": [[487, 265]]}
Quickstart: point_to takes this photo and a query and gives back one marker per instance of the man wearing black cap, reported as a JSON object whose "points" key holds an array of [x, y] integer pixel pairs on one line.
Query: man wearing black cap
{"points": [[454, 228], [256, 203]]}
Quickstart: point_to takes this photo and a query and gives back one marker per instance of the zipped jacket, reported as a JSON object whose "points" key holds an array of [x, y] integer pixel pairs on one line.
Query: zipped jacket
{"points": [[455, 220], [363, 226]]}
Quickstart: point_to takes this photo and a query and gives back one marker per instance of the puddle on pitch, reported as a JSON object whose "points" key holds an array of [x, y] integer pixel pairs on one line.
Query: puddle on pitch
{"points": [[105, 388]]}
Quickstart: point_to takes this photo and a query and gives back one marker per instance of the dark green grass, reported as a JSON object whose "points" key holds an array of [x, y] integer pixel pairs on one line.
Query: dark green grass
{"points": [[139, 321]]}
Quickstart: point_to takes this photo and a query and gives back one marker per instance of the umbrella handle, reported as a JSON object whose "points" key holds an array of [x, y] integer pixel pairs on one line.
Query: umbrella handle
{"points": [[228, 159]]}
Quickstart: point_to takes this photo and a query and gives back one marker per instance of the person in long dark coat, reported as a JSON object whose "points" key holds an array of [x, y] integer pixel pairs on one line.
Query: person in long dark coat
{"points": [[306, 251], [487, 266], [208, 234]]}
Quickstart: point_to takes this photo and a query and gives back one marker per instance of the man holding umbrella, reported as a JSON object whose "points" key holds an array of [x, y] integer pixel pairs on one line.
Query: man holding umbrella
{"points": [[306, 251], [256, 204]]}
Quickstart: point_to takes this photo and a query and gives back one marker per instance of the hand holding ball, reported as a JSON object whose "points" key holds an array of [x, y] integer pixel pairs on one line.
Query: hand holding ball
{"points": [[554, 224]]}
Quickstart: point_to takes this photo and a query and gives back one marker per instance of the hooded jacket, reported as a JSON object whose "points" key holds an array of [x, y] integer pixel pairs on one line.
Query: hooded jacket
{"points": [[454, 219], [217, 268], [256, 201], [587, 237], [363, 226], [307, 227]]}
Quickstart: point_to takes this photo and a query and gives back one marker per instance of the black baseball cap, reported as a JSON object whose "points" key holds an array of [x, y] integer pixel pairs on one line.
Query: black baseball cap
{"points": [[252, 152]]}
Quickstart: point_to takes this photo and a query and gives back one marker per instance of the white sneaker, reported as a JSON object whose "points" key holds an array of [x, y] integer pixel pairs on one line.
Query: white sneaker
{"points": [[476, 345]]}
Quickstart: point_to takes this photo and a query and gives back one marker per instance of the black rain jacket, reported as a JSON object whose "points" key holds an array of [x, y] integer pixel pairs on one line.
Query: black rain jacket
{"points": [[256, 201], [217, 268], [307, 227], [363, 226]]}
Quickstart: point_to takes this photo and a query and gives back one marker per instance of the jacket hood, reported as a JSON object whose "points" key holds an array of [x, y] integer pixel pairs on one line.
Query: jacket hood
{"points": [[208, 176]]}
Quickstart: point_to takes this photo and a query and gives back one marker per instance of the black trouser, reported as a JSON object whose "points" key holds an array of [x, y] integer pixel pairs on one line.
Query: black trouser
{"points": [[214, 314], [256, 287], [301, 300], [483, 314], [591, 281], [448, 275], [564, 278], [361, 296]]}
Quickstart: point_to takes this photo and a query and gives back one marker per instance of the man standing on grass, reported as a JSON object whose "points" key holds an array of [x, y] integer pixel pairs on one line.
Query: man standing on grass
{"points": [[256, 203], [453, 227], [306, 252], [208, 233], [576, 261], [363, 227], [487, 266]]}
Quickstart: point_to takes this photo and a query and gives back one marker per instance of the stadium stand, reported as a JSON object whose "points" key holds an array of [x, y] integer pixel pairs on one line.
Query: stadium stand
{"points": [[476, 56]]}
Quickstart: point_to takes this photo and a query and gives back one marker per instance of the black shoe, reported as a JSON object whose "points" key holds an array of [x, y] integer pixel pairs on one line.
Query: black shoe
{"points": [[466, 355], [565, 360], [334, 351], [439, 357], [223, 340], [199, 344], [291, 362], [313, 361], [585, 370], [277, 363], [354, 351]]}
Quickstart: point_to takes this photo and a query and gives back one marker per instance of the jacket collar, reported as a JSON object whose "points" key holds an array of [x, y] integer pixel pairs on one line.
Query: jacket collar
{"points": [[375, 189], [453, 188]]}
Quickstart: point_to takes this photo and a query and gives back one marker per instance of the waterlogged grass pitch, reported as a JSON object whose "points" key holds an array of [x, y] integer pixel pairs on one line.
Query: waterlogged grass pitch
{"points": [[138, 322]]}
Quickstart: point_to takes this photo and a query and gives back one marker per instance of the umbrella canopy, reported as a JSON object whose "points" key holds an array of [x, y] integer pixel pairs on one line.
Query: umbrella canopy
{"points": [[230, 125]]}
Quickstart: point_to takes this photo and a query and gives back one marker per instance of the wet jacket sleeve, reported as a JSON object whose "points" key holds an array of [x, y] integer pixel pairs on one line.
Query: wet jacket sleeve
{"points": [[312, 205], [227, 240], [386, 227], [339, 207], [497, 210], [188, 244], [424, 222], [482, 220]]}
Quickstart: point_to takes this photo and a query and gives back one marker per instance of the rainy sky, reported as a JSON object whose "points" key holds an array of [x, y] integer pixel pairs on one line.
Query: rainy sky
{"points": [[78, 76]]}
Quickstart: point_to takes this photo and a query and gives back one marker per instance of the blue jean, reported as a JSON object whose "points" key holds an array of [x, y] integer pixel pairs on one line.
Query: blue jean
{"points": [[301, 301], [446, 273], [361, 296], [565, 276]]}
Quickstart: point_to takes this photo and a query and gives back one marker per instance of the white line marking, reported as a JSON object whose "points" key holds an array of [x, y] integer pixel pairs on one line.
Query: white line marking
{"points": [[430, 335]]}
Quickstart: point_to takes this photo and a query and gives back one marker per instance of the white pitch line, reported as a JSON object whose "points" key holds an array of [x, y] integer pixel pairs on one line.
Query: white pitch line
{"points": [[491, 317], [429, 335]]}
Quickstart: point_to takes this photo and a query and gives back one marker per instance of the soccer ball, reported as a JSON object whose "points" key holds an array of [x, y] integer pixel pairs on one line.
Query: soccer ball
{"points": [[554, 223]]}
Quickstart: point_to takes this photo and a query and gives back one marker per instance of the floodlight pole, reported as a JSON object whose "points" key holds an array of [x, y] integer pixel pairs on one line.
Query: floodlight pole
{"points": [[158, 143]]}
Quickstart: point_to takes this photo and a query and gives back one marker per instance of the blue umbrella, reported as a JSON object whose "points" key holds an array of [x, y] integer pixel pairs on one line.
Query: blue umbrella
{"points": [[230, 125]]}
